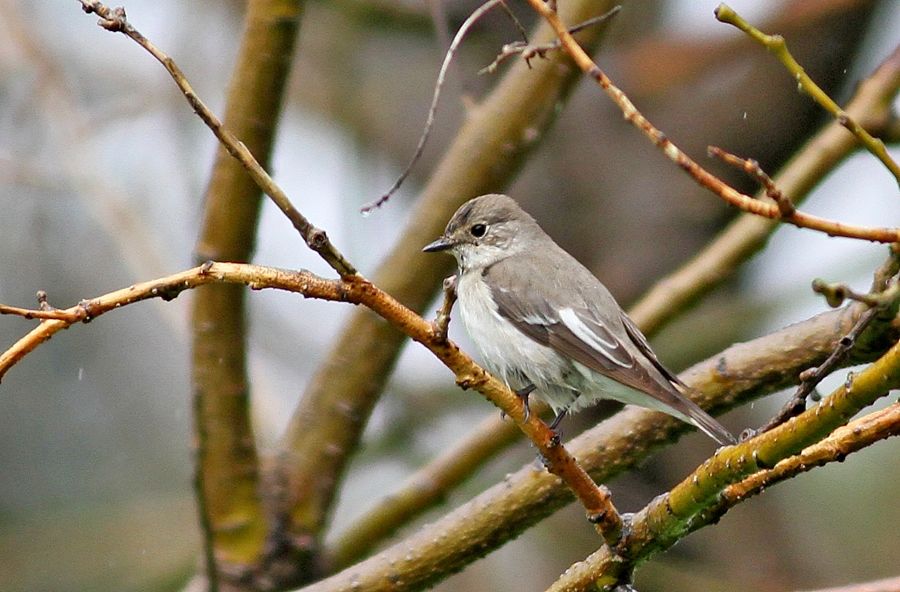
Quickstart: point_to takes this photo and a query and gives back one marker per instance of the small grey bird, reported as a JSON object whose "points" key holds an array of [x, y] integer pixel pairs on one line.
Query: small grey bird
{"points": [[544, 323]]}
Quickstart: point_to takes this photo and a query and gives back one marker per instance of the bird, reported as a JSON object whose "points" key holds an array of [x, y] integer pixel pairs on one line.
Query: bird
{"points": [[544, 324]]}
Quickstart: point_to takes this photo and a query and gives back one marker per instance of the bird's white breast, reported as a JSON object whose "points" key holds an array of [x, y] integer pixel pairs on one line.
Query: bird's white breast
{"points": [[506, 351]]}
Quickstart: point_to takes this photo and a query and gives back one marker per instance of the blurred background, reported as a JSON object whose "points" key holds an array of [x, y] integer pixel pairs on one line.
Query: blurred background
{"points": [[102, 170]]}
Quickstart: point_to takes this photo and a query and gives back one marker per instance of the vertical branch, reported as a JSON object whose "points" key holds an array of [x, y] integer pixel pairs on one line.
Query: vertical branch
{"points": [[227, 472]]}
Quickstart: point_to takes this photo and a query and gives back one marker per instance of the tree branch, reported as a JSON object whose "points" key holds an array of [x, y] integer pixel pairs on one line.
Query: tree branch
{"points": [[241, 544], [357, 290], [699, 174], [748, 234], [114, 20], [777, 45], [602, 567]]}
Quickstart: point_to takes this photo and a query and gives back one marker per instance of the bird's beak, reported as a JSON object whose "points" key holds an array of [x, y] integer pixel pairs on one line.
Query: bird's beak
{"points": [[441, 244]]}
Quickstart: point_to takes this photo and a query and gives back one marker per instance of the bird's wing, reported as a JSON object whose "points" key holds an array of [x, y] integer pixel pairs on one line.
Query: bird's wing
{"points": [[612, 346], [578, 332], [638, 339]]}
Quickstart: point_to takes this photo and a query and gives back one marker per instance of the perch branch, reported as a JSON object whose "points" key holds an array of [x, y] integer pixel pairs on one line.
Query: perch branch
{"points": [[699, 174], [357, 290], [777, 45]]}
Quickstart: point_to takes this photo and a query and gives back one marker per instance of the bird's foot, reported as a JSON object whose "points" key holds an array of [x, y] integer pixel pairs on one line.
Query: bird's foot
{"points": [[524, 393]]}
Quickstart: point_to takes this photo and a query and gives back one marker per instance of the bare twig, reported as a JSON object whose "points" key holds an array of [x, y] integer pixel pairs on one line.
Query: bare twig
{"points": [[520, 28], [442, 320], [811, 377], [884, 294], [42, 313], [748, 233], [698, 173], [751, 167], [777, 45], [432, 109], [836, 294], [528, 52], [115, 20]]}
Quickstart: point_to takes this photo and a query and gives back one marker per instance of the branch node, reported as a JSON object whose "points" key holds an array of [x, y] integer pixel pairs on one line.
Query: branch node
{"points": [[786, 208], [42, 301]]}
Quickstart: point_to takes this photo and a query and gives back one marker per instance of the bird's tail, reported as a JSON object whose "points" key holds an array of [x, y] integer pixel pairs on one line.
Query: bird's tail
{"points": [[705, 422]]}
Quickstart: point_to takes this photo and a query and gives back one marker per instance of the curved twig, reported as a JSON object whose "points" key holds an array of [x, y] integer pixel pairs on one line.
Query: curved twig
{"points": [[432, 109]]}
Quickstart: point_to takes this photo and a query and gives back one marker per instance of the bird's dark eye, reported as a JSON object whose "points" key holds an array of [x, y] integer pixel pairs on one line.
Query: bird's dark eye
{"points": [[478, 230]]}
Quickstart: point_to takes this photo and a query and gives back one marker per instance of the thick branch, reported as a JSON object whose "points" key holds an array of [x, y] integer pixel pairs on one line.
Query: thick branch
{"points": [[602, 567], [227, 472], [737, 375]]}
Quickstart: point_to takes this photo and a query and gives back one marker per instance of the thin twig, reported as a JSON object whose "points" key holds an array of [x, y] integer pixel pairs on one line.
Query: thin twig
{"points": [[751, 167], [515, 20], [529, 52], [43, 314], [115, 20], [432, 109], [748, 233], [703, 177], [442, 320], [836, 294], [777, 45], [811, 377], [884, 293]]}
